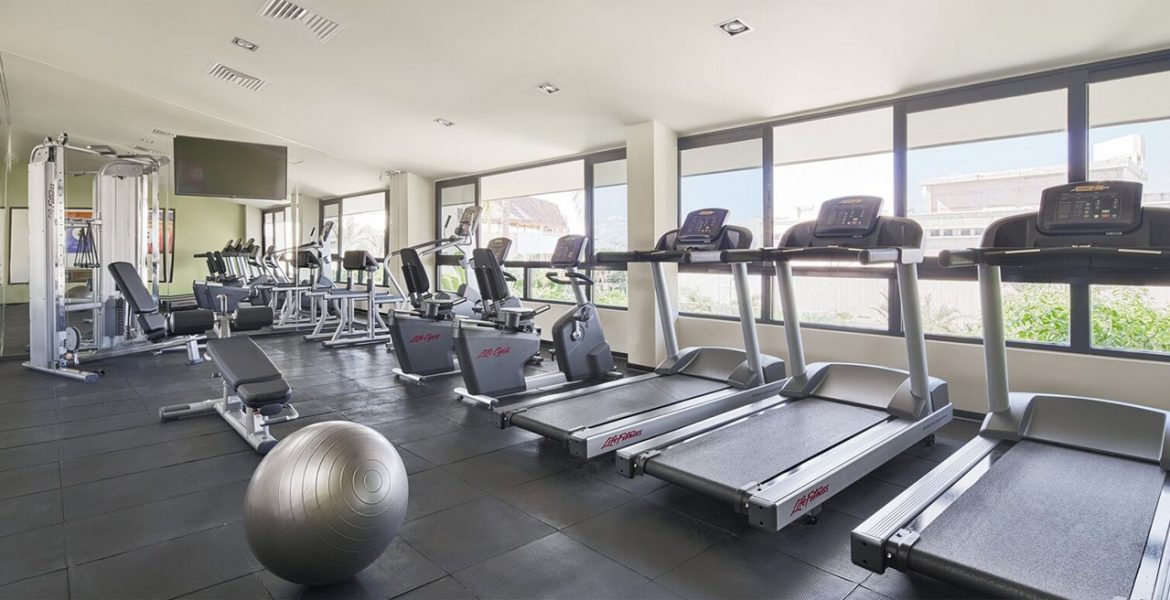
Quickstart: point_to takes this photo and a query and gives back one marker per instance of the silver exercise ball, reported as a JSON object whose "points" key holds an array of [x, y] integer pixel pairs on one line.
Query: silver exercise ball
{"points": [[325, 502]]}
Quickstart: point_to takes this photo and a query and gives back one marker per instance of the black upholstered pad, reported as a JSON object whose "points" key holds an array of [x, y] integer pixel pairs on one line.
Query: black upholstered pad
{"points": [[757, 449], [1068, 522], [241, 361], [130, 285], [264, 392]]}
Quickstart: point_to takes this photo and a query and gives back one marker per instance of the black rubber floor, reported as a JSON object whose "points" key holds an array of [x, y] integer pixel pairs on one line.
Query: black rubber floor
{"points": [[1068, 522], [100, 500]]}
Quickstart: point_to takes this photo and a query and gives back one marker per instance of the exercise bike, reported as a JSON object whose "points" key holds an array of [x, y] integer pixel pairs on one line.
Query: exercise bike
{"points": [[494, 352]]}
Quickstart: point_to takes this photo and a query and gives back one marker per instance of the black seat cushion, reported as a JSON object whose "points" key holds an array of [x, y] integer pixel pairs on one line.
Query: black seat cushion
{"points": [[263, 393], [129, 284], [241, 361]]}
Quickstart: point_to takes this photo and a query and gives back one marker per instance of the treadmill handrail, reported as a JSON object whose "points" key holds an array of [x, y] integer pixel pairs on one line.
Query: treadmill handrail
{"points": [[864, 256], [661, 256], [1153, 257]]}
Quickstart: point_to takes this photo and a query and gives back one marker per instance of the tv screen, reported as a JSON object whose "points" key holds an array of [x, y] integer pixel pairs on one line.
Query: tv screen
{"points": [[227, 169]]}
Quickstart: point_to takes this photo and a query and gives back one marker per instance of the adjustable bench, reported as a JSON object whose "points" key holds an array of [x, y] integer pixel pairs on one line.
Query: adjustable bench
{"points": [[255, 395], [185, 325]]}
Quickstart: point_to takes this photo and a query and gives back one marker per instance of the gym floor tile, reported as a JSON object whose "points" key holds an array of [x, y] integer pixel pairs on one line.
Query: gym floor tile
{"points": [[100, 409], [465, 443], [28, 480], [229, 468], [553, 566], [394, 409], [413, 462], [30, 419], [903, 470], [864, 497], [208, 446], [30, 455], [646, 537], [139, 526], [30, 435], [115, 493], [470, 416], [166, 570], [511, 466], [446, 588], [864, 593], [824, 545], [94, 468], [146, 435], [896, 584], [228, 500], [434, 490], [50, 586], [409, 430], [604, 469], [31, 511], [283, 430], [400, 569], [117, 422], [463, 535], [565, 498], [732, 569], [702, 507], [247, 587], [32, 553]]}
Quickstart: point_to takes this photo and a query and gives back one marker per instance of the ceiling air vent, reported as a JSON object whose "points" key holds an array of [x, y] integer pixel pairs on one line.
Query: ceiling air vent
{"points": [[240, 78], [145, 150], [162, 132], [319, 26]]}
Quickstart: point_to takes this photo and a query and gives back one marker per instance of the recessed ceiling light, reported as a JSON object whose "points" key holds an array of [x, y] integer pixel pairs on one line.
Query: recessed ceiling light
{"points": [[245, 44], [548, 88], [734, 27], [444, 122]]}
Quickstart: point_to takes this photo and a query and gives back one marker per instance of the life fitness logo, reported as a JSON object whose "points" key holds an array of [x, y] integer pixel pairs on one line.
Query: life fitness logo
{"points": [[803, 502], [624, 436], [423, 338], [496, 352]]}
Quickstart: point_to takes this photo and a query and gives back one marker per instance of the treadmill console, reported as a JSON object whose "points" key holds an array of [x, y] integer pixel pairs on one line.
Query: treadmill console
{"points": [[701, 228], [850, 216], [1108, 207], [567, 252], [468, 219], [500, 246]]}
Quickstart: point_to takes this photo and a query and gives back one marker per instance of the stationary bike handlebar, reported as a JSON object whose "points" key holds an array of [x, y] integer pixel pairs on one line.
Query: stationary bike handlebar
{"points": [[553, 277]]}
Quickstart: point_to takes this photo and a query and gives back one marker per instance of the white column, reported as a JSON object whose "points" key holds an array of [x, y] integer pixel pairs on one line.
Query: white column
{"points": [[652, 179], [412, 213]]}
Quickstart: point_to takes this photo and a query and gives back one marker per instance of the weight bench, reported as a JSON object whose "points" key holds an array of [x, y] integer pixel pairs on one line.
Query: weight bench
{"points": [[186, 326], [255, 395]]}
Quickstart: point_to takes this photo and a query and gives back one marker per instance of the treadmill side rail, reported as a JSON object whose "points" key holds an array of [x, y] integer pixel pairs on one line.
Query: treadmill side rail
{"points": [[776, 503], [870, 540], [608, 437]]}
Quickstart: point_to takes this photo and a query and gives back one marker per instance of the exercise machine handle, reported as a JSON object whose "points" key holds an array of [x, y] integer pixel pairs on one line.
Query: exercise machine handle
{"points": [[553, 277]]}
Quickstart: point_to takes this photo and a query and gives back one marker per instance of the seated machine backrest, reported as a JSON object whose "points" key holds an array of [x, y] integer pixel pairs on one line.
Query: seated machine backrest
{"points": [[144, 306], [489, 275], [306, 259], [359, 260], [415, 274]]}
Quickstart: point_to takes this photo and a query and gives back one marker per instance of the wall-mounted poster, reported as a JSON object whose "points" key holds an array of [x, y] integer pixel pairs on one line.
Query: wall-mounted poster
{"points": [[166, 246]]}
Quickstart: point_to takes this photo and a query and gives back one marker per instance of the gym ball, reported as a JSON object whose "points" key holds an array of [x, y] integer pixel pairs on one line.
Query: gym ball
{"points": [[325, 502]]}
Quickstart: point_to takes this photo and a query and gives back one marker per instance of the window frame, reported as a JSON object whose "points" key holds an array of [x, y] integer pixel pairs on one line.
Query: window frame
{"points": [[1074, 80], [339, 234]]}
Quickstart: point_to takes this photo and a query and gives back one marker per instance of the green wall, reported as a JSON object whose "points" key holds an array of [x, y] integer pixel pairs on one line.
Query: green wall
{"points": [[201, 224]]}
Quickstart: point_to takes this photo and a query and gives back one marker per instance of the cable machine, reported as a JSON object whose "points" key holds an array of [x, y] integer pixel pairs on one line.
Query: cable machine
{"points": [[76, 313]]}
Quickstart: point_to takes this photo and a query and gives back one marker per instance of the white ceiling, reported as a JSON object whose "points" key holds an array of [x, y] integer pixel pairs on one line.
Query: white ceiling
{"points": [[364, 102]]}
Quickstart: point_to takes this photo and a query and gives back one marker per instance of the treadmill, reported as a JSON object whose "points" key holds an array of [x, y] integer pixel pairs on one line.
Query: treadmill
{"points": [[1058, 496], [777, 459], [690, 385]]}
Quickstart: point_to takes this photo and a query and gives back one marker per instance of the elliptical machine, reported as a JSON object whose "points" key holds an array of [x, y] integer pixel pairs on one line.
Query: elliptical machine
{"points": [[493, 353]]}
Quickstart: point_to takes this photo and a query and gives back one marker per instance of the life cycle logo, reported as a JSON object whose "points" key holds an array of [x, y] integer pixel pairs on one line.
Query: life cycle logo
{"points": [[496, 352], [423, 338]]}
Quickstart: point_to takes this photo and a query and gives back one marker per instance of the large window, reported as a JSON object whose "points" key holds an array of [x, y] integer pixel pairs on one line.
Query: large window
{"points": [[610, 230], [725, 176], [359, 223], [1130, 140], [275, 229], [533, 208]]}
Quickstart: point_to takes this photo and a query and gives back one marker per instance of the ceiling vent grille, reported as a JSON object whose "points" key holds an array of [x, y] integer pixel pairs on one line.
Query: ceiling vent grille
{"points": [[162, 132], [145, 150], [319, 26], [240, 78]]}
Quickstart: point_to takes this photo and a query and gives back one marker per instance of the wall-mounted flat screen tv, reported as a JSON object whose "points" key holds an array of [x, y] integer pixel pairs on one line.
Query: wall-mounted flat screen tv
{"points": [[227, 169]]}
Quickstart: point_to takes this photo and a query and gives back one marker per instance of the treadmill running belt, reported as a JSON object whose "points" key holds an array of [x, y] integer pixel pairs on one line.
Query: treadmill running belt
{"points": [[609, 405], [763, 446], [1047, 519]]}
